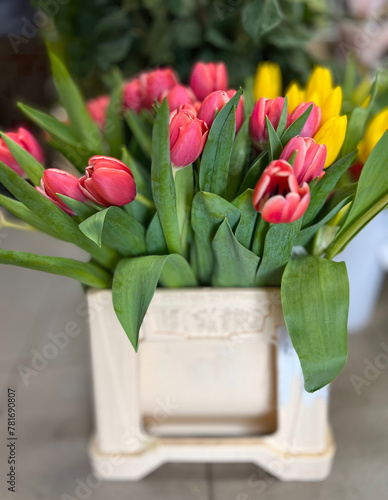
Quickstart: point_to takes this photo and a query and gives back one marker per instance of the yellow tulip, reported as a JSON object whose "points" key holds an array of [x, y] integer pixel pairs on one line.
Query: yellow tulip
{"points": [[332, 105], [268, 81], [296, 95], [332, 133], [320, 83], [374, 131]]}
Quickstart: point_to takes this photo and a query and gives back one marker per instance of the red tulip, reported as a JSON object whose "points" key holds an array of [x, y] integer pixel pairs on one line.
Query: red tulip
{"points": [[310, 158], [27, 141], [265, 107], [313, 121], [278, 196], [213, 103], [97, 108], [178, 95], [154, 82], [208, 77], [133, 95], [188, 136], [55, 181], [108, 181], [239, 110]]}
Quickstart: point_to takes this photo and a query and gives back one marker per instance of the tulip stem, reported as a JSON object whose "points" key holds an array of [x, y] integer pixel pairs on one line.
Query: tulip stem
{"points": [[145, 201]]}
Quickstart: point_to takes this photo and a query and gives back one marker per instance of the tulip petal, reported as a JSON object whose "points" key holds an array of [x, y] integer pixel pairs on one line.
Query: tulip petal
{"points": [[116, 187]]}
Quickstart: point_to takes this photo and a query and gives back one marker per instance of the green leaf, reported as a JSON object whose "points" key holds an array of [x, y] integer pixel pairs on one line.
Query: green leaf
{"points": [[163, 187], [274, 143], [88, 273], [155, 241], [296, 127], [259, 235], [259, 17], [114, 132], [315, 299], [282, 125], [81, 209], [277, 251], [53, 216], [72, 100], [134, 285], [184, 187], [370, 198], [141, 131], [140, 174], [254, 173], [117, 229], [324, 186], [235, 265], [214, 170], [207, 213], [246, 226], [239, 160], [29, 164]]}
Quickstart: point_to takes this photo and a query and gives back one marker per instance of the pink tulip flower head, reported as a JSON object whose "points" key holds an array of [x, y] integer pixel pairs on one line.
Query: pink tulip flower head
{"points": [[310, 158], [265, 107], [54, 182], [27, 141], [97, 108], [178, 95], [154, 83], [313, 121], [213, 104], [208, 77], [133, 95]]}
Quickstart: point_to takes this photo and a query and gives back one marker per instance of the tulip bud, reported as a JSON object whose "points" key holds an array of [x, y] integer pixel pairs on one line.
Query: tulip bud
{"points": [[268, 81], [239, 110], [332, 133], [154, 82], [213, 104], [97, 108], [133, 95], [332, 105], [277, 195], [313, 121], [265, 107], [54, 182], [178, 95], [108, 182], [205, 78], [310, 158], [319, 85], [188, 136], [27, 141]]}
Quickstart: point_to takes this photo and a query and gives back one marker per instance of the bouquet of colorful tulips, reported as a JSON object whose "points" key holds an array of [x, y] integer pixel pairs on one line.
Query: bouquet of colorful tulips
{"points": [[207, 186]]}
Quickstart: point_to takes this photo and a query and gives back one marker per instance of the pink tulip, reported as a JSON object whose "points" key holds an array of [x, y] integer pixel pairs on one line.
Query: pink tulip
{"points": [[278, 196], [213, 103], [313, 121], [208, 77], [154, 82], [27, 141], [265, 107], [239, 110], [188, 136], [310, 158], [97, 108], [55, 181], [178, 95], [108, 181], [133, 95]]}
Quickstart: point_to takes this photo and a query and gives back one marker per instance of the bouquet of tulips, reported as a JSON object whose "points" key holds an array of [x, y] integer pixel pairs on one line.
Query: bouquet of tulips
{"points": [[206, 186]]}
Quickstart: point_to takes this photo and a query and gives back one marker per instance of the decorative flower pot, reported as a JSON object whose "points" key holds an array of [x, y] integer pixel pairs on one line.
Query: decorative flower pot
{"points": [[215, 379]]}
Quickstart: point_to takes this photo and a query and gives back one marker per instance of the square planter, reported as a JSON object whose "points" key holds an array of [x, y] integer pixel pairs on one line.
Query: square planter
{"points": [[215, 379]]}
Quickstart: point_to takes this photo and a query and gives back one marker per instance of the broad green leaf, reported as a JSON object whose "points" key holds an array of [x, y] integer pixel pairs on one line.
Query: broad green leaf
{"points": [[29, 164], [81, 209], [53, 216], [324, 186], [260, 17], [215, 161], [254, 173], [370, 198], [117, 229], [89, 274], [184, 187], [155, 241], [207, 213], [163, 187], [277, 251], [134, 285], [235, 265], [315, 300], [240, 157], [296, 127], [141, 131], [72, 100], [274, 143], [246, 226], [114, 131]]}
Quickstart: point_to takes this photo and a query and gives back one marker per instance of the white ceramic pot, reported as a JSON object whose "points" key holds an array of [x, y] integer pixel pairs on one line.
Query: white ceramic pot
{"points": [[215, 379]]}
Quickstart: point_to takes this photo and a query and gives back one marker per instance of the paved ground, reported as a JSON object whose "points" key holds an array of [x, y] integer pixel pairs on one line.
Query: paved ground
{"points": [[54, 417]]}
